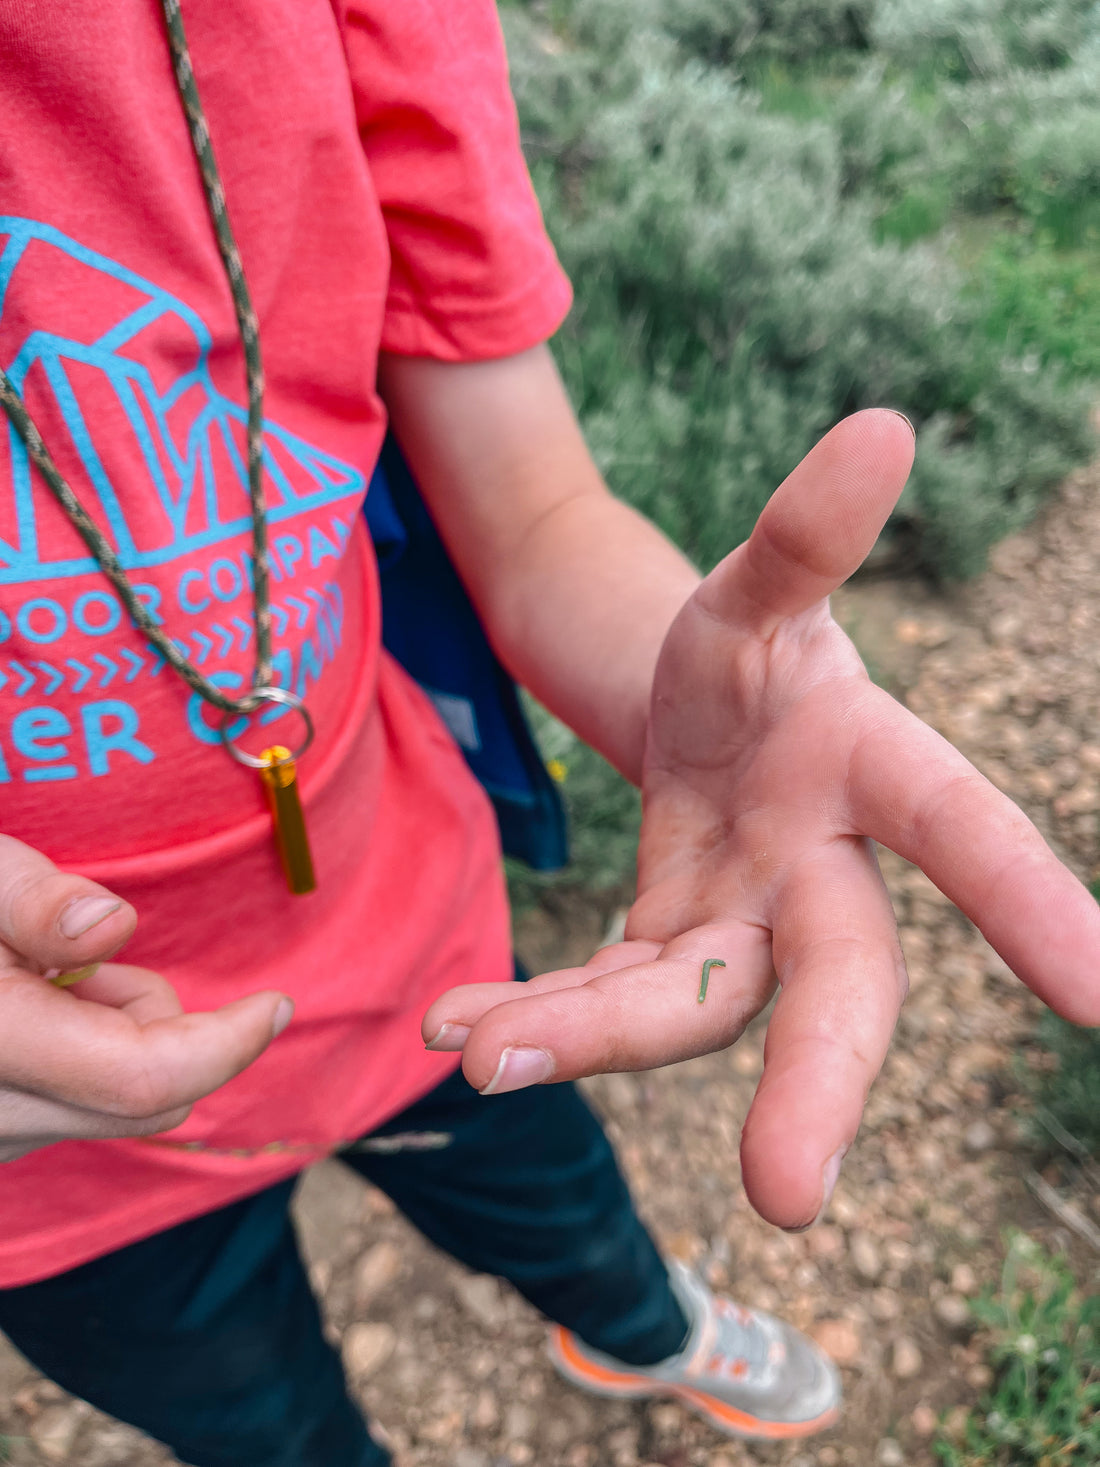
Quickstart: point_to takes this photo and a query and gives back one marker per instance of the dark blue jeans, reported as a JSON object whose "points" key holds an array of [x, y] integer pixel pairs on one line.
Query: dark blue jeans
{"points": [[207, 1336]]}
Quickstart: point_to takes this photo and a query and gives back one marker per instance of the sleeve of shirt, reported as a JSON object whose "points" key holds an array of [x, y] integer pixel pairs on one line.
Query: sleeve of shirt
{"points": [[473, 274]]}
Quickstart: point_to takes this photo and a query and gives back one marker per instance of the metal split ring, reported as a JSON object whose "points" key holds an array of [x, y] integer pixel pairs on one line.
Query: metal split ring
{"points": [[266, 695]]}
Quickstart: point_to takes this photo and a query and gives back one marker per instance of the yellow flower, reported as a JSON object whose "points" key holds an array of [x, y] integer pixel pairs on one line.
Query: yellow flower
{"points": [[556, 770]]}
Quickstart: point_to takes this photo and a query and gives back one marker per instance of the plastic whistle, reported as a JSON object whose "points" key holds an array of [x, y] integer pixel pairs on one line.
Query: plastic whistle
{"points": [[280, 777]]}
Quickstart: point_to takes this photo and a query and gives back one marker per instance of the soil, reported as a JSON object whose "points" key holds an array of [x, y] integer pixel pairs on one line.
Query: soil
{"points": [[451, 1366]]}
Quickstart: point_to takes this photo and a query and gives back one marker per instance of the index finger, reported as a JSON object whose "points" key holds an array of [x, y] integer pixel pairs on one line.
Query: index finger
{"points": [[912, 791], [138, 1059]]}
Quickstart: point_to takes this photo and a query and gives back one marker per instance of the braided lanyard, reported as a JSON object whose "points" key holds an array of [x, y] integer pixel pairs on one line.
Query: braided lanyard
{"points": [[277, 765]]}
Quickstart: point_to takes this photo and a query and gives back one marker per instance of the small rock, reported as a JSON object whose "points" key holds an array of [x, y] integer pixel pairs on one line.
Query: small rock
{"points": [[470, 1457], [747, 1059], [885, 1304], [367, 1347], [923, 1420], [444, 1430], [828, 1457], [906, 1361], [375, 1272], [956, 1423], [839, 1338], [889, 1453], [519, 1421], [866, 1258], [979, 1377], [667, 1419], [979, 1136], [520, 1454], [55, 1430], [825, 1241], [621, 1092], [486, 1414], [953, 1311], [963, 1280], [482, 1298]]}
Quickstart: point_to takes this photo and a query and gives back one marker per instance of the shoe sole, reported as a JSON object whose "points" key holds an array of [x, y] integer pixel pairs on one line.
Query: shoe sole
{"points": [[726, 1419]]}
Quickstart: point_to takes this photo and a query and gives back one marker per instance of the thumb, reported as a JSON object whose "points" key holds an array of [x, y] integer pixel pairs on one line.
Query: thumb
{"points": [[818, 526]]}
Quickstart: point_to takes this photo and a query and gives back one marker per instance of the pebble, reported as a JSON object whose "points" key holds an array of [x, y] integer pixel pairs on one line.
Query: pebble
{"points": [[667, 1419], [963, 1280], [839, 1338], [923, 1419], [367, 1347], [953, 1311], [482, 1298], [486, 1413], [979, 1136], [519, 1421], [885, 1305], [906, 1360], [866, 1258], [825, 1241], [470, 1457], [55, 1430], [375, 1272], [889, 1453]]}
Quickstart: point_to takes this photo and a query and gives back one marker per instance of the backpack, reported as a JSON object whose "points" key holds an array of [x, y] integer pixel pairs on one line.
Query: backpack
{"points": [[430, 627]]}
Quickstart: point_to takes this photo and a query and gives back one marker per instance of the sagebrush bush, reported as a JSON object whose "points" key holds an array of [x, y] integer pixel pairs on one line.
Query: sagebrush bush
{"points": [[733, 300], [775, 212]]}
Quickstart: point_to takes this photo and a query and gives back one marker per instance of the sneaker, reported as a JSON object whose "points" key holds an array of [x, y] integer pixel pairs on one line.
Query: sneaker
{"points": [[748, 1374]]}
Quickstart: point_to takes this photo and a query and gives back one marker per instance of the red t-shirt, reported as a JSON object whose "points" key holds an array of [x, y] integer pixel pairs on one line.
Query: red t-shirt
{"points": [[371, 163]]}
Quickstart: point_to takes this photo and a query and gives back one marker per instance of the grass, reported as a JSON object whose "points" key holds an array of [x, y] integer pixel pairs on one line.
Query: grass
{"points": [[1043, 1408]]}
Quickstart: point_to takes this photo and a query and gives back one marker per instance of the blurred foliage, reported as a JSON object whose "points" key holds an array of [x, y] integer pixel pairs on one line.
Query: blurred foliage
{"points": [[1070, 1092], [1067, 1095], [775, 212], [1043, 1409], [757, 204]]}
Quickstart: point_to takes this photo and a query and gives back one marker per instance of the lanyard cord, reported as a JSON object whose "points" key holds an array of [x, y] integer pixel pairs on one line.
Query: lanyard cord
{"points": [[79, 517]]}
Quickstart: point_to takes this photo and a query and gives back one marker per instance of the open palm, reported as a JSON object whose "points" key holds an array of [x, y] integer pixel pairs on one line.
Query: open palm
{"points": [[772, 763]]}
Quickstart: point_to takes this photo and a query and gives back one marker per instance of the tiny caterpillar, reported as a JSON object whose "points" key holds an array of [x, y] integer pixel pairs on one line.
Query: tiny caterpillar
{"points": [[707, 966]]}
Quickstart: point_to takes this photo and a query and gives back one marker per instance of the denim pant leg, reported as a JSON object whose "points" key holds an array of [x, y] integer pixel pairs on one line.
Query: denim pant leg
{"points": [[206, 1336], [527, 1188]]}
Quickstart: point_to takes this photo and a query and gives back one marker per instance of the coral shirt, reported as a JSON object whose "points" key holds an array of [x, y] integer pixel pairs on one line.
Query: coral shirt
{"points": [[371, 163]]}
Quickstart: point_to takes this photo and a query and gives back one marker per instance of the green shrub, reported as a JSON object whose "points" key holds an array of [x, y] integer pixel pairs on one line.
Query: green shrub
{"points": [[769, 213], [1043, 1409], [964, 39], [733, 300]]}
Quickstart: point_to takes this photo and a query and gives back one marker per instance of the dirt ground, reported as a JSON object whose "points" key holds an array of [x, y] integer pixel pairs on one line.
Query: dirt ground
{"points": [[451, 1366]]}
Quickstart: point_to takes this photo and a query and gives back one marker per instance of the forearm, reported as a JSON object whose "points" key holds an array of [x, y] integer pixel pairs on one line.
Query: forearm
{"points": [[575, 589]]}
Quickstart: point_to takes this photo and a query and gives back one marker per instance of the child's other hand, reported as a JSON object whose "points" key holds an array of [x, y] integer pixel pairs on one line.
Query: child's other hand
{"points": [[112, 1055], [772, 762]]}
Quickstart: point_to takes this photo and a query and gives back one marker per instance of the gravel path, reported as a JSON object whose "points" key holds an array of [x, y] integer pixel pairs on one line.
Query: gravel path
{"points": [[453, 1364]]}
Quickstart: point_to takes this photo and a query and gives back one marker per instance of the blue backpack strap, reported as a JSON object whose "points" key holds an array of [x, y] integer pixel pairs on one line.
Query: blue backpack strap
{"points": [[430, 626]]}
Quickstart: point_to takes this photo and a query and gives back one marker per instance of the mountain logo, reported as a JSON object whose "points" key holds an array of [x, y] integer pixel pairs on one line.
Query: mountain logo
{"points": [[129, 389]]}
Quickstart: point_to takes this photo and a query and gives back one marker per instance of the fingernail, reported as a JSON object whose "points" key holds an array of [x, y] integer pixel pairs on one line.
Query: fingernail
{"points": [[449, 1038], [69, 980], [518, 1068], [907, 421], [828, 1183], [85, 913], [283, 1015]]}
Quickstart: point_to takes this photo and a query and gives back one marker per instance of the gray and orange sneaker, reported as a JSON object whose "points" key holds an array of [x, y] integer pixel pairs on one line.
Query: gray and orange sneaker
{"points": [[748, 1374]]}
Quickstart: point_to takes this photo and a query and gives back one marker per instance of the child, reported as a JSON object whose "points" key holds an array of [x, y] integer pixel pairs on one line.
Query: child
{"points": [[155, 1112]]}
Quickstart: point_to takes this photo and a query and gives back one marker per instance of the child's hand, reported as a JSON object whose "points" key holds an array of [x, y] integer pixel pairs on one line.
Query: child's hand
{"points": [[112, 1055], [772, 761]]}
